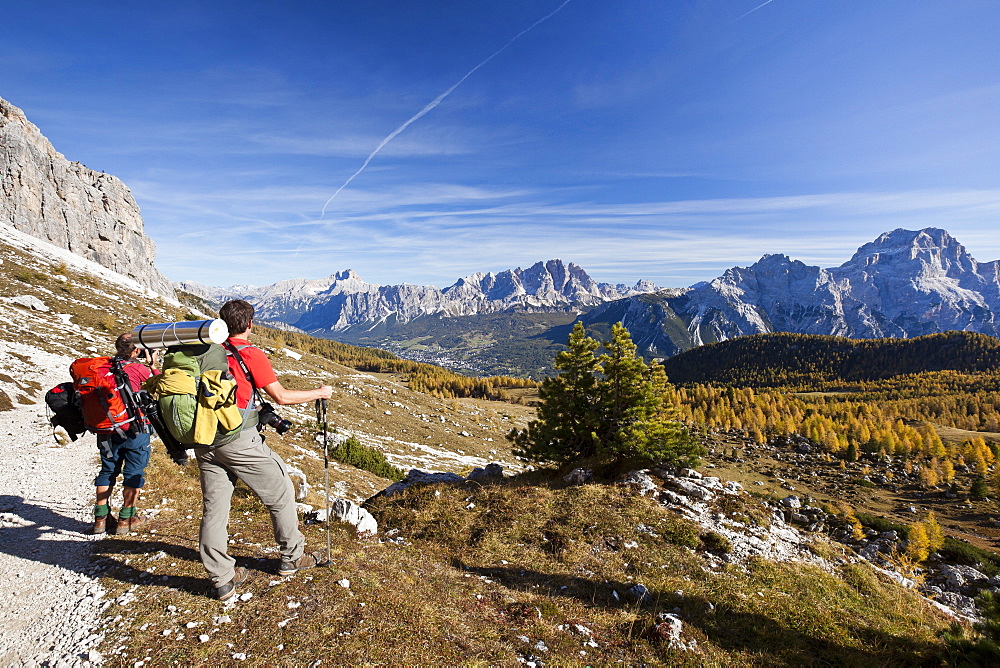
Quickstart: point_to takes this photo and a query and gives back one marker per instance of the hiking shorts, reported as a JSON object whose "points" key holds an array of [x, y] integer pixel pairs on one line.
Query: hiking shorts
{"points": [[127, 457]]}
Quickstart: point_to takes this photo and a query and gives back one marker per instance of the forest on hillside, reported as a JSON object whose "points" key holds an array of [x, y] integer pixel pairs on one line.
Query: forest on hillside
{"points": [[880, 398], [815, 362]]}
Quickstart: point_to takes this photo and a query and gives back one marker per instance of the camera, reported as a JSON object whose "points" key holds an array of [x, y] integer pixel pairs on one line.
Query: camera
{"points": [[267, 416]]}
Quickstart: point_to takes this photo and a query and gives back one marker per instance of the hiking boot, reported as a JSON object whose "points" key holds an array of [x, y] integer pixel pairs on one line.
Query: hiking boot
{"points": [[226, 591], [307, 560], [128, 525], [100, 525]]}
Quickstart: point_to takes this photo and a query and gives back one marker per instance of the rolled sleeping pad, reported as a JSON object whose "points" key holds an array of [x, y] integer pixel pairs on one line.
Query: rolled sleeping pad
{"points": [[186, 333]]}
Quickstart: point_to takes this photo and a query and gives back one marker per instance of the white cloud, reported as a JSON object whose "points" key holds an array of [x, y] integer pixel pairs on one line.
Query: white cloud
{"points": [[436, 233]]}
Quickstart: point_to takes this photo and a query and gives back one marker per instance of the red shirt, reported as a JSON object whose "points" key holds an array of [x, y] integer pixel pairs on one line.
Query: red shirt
{"points": [[260, 368], [137, 373]]}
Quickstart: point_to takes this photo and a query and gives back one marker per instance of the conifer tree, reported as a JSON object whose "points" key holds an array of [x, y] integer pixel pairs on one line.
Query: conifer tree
{"points": [[567, 424], [614, 406], [935, 535], [918, 545]]}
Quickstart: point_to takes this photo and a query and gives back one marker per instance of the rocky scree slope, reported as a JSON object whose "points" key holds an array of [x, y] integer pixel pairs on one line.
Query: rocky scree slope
{"points": [[903, 284], [66, 204]]}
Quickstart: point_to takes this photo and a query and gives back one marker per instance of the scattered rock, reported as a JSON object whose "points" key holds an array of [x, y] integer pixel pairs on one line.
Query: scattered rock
{"points": [[641, 481], [639, 593], [28, 301], [578, 476], [344, 510]]}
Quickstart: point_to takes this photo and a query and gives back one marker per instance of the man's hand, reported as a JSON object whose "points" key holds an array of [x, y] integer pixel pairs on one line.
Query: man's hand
{"points": [[284, 396]]}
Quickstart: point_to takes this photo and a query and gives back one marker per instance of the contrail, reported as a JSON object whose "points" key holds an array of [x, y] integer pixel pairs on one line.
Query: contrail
{"points": [[751, 11], [436, 101]]}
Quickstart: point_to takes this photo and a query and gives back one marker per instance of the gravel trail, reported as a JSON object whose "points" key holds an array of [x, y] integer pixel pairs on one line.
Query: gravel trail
{"points": [[50, 598]]}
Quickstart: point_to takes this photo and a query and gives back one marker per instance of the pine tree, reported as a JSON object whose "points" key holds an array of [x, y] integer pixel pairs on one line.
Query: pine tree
{"points": [[615, 407], [568, 423]]}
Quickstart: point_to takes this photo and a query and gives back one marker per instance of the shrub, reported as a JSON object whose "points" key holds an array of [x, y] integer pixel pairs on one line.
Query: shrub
{"points": [[368, 459], [30, 276], [958, 551], [881, 524], [716, 542]]}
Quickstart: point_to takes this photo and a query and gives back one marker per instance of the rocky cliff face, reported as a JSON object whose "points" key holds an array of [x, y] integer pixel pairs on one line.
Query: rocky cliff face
{"points": [[344, 300], [88, 213], [905, 283]]}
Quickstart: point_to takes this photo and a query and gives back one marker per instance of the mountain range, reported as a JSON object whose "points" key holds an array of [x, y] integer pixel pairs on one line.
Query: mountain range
{"points": [[903, 284], [344, 300]]}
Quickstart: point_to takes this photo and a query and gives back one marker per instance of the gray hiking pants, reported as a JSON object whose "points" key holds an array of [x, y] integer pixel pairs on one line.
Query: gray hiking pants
{"points": [[264, 472]]}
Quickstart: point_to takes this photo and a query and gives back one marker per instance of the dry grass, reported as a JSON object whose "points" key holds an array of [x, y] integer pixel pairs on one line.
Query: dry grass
{"points": [[482, 568], [485, 566]]}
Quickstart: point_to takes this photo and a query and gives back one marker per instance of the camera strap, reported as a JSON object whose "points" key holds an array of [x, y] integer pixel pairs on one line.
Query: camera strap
{"points": [[255, 397]]}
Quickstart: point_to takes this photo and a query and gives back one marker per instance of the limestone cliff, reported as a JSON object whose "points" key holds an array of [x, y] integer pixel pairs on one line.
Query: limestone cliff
{"points": [[89, 213]]}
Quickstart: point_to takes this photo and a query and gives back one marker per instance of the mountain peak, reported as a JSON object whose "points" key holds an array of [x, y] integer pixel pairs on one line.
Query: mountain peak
{"points": [[930, 245]]}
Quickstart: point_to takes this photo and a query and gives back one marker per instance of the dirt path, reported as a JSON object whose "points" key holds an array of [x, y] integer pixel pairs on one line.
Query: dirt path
{"points": [[50, 598]]}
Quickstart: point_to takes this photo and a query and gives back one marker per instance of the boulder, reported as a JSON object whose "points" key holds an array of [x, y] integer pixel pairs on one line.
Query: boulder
{"points": [[418, 477], [28, 301], [345, 510], [791, 501], [958, 577], [691, 488], [491, 471], [578, 476], [641, 481]]}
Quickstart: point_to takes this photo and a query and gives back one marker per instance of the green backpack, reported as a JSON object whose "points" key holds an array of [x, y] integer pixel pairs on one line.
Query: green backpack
{"points": [[179, 409]]}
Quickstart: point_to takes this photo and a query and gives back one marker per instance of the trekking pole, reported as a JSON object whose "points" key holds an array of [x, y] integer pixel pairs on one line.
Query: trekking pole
{"points": [[322, 424]]}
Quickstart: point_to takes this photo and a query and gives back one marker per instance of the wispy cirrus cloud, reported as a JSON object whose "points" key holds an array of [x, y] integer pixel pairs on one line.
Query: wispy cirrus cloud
{"points": [[435, 233]]}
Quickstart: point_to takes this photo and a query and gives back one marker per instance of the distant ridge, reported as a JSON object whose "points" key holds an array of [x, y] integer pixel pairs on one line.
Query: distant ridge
{"points": [[781, 359], [344, 300], [903, 284]]}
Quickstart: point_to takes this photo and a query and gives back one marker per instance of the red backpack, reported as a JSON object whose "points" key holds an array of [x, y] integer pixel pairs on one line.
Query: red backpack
{"points": [[100, 384]]}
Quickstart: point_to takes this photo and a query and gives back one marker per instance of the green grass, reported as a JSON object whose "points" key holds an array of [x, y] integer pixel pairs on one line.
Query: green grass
{"points": [[352, 452]]}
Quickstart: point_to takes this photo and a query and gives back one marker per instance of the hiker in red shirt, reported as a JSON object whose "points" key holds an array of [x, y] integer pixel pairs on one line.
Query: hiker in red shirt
{"points": [[126, 455], [250, 460]]}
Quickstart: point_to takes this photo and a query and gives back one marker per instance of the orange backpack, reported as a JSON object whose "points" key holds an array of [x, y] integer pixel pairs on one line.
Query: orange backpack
{"points": [[100, 382]]}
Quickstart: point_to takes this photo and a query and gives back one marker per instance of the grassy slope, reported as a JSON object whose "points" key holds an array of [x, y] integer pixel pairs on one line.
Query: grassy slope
{"points": [[482, 566], [485, 567]]}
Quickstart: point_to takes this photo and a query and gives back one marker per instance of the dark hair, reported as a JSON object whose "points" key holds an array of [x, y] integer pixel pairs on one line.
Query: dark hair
{"points": [[238, 315], [124, 346]]}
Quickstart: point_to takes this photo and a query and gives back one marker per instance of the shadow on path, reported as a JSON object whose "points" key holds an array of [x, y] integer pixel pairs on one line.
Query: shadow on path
{"points": [[54, 537]]}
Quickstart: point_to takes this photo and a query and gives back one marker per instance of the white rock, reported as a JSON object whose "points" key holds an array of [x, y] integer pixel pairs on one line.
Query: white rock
{"points": [[28, 301]]}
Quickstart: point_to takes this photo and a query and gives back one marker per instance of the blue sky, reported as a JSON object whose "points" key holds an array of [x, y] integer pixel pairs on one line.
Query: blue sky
{"points": [[640, 139]]}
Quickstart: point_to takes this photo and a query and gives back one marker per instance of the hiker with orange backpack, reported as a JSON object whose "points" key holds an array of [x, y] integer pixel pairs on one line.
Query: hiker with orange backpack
{"points": [[122, 431]]}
